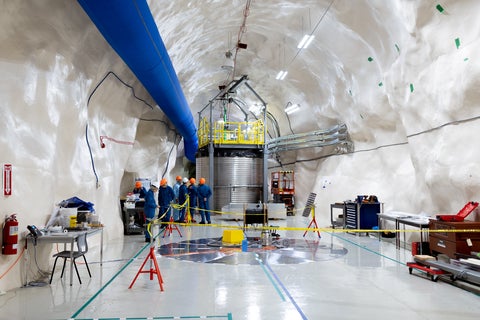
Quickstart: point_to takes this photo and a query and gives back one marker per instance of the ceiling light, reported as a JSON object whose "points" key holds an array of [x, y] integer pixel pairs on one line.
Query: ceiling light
{"points": [[291, 108], [305, 42], [229, 64], [281, 75]]}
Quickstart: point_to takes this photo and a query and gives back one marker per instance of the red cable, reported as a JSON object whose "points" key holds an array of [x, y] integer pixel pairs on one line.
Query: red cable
{"points": [[113, 140], [14, 263]]}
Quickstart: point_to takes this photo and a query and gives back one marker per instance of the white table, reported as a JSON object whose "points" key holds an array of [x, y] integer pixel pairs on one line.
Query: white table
{"points": [[392, 216], [69, 238], [418, 222]]}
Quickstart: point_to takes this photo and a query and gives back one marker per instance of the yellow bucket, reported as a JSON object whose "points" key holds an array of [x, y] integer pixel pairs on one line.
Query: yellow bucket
{"points": [[73, 221]]}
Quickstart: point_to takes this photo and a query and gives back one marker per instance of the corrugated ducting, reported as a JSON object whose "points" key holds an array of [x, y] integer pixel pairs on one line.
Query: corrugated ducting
{"points": [[129, 27], [236, 179]]}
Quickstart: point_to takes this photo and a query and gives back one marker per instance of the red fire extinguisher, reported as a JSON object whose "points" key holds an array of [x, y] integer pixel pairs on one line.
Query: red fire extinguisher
{"points": [[10, 235]]}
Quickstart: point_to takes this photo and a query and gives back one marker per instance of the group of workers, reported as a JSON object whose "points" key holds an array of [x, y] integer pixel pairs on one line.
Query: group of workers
{"points": [[182, 190]]}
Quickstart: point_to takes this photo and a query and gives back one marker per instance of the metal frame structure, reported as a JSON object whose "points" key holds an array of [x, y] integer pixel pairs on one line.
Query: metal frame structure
{"points": [[225, 95]]}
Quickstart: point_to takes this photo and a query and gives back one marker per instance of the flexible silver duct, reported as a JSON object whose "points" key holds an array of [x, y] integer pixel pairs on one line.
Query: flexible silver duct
{"points": [[332, 136]]}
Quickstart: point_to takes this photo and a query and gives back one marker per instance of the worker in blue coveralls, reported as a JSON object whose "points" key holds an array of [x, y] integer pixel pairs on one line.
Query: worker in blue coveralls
{"points": [[139, 189], [204, 194], [165, 197], [176, 189], [192, 194], [182, 198], [149, 209]]}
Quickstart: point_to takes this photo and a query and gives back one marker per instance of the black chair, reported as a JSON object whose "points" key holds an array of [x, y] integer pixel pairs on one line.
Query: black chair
{"points": [[82, 250]]}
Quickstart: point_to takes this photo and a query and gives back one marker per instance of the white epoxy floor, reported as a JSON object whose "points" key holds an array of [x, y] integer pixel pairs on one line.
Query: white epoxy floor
{"points": [[339, 276]]}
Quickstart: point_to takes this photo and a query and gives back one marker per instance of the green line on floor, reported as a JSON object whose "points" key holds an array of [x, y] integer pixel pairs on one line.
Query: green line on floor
{"points": [[228, 316], [260, 262], [113, 278], [108, 283]]}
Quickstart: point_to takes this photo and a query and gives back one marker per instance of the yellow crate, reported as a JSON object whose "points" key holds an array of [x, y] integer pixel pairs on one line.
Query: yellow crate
{"points": [[232, 236]]}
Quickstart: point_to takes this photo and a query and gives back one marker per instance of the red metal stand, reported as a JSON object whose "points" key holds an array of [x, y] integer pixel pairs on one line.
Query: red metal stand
{"points": [[152, 271], [169, 228], [313, 222]]}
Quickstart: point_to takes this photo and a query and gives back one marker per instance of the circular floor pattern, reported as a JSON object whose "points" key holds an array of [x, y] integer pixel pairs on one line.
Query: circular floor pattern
{"points": [[279, 251]]}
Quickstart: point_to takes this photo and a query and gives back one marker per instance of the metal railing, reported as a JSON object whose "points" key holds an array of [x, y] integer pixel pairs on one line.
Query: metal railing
{"points": [[233, 133]]}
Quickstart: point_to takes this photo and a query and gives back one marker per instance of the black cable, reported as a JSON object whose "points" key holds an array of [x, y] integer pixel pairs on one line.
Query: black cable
{"points": [[174, 141], [43, 274], [456, 122], [91, 155], [289, 124], [275, 124], [88, 103], [169, 154], [444, 125], [162, 121], [123, 82]]}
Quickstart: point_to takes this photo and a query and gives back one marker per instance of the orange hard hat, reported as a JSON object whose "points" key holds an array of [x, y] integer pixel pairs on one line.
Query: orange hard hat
{"points": [[178, 178], [192, 180], [138, 184], [163, 182], [202, 181]]}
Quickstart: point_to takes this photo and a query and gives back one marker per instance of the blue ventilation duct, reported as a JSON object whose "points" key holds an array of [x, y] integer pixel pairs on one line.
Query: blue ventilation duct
{"points": [[128, 26]]}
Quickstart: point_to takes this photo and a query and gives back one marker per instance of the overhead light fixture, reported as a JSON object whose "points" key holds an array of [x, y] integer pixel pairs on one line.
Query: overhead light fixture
{"points": [[281, 75], [291, 108], [305, 42], [229, 63]]}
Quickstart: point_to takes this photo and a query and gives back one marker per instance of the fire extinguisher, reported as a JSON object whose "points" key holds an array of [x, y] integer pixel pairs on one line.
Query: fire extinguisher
{"points": [[10, 235]]}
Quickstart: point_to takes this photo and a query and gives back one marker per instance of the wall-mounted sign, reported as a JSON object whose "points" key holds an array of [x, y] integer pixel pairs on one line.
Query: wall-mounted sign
{"points": [[7, 179]]}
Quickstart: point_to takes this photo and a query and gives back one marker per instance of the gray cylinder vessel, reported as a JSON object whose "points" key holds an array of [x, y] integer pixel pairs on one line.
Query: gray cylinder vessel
{"points": [[236, 179]]}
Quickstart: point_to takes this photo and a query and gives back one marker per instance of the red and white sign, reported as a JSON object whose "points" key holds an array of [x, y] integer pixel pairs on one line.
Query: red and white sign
{"points": [[7, 179]]}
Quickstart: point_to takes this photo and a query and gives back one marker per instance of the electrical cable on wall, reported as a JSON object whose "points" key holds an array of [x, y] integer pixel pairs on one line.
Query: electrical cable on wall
{"points": [[169, 155], [102, 144], [110, 73], [456, 122], [288, 119], [241, 32], [175, 143], [123, 82]]}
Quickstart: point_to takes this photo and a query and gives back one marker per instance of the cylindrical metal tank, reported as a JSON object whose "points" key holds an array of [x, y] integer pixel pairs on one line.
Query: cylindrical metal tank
{"points": [[237, 179]]}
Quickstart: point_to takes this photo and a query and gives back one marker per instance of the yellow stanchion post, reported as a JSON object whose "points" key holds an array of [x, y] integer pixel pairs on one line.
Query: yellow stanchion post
{"points": [[313, 223]]}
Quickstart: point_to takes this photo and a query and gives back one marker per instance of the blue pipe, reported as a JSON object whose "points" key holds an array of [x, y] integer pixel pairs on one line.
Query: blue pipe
{"points": [[128, 27]]}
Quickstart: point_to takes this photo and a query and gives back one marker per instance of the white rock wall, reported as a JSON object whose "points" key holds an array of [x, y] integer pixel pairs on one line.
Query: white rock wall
{"points": [[415, 149], [58, 98]]}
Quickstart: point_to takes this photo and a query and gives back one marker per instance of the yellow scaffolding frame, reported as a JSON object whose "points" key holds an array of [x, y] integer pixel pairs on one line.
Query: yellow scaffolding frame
{"points": [[244, 133]]}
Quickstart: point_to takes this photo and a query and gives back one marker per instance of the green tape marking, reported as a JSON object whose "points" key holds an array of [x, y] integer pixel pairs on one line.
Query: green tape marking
{"points": [[411, 87], [227, 316], [457, 42], [269, 276], [380, 84], [370, 59], [439, 8]]}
